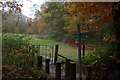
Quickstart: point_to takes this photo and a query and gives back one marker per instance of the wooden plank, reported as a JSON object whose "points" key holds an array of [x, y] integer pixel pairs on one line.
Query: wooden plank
{"points": [[65, 57], [56, 53]]}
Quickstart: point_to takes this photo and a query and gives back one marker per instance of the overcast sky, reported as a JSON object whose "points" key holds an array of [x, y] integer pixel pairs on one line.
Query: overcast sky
{"points": [[27, 10]]}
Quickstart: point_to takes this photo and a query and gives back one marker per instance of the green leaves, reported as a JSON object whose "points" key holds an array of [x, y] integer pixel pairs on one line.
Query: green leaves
{"points": [[13, 41]]}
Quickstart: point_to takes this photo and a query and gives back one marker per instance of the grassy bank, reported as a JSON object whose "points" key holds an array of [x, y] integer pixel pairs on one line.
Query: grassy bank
{"points": [[64, 49]]}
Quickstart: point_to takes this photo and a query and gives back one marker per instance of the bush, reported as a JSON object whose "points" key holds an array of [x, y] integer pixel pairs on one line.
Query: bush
{"points": [[15, 49], [101, 57], [13, 41]]}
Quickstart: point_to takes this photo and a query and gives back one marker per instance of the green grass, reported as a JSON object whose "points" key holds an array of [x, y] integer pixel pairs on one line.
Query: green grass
{"points": [[64, 49]]}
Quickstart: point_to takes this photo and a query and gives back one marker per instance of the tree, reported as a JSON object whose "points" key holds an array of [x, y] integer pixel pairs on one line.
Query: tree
{"points": [[12, 5], [96, 15], [14, 23]]}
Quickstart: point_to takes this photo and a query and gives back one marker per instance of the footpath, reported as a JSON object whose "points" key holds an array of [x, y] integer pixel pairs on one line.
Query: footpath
{"points": [[52, 71]]}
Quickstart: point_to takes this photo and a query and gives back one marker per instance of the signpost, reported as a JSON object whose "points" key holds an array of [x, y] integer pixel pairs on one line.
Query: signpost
{"points": [[83, 36], [79, 51], [79, 36]]}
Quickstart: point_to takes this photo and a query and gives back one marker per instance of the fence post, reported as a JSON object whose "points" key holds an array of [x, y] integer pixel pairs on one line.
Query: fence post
{"points": [[39, 62], [33, 53], [45, 51], [52, 54], [72, 72], [56, 53], [47, 65], [103, 73], [38, 50], [83, 51], [50, 51], [58, 70], [67, 68], [88, 76]]}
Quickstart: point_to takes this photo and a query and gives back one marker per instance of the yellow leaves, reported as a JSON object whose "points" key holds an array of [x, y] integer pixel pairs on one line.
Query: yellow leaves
{"points": [[109, 38]]}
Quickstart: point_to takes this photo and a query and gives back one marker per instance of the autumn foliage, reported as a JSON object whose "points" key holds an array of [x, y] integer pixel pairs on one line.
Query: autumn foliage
{"points": [[12, 5], [93, 15]]}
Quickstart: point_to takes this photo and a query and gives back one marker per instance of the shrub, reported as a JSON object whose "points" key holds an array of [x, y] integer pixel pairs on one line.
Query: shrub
{"points": [[13, 41], [101, 57], [15, 49]]}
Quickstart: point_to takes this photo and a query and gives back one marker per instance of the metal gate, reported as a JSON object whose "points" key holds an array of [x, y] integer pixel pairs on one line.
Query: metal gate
{"points": [[47, 51]]}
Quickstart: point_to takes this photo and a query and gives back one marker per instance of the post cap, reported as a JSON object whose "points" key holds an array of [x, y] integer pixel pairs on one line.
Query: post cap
{"points": [[72, 62], [58, 62]]}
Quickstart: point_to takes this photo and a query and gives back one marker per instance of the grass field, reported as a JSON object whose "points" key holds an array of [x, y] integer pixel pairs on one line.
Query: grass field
{"points": [[64, 49]]}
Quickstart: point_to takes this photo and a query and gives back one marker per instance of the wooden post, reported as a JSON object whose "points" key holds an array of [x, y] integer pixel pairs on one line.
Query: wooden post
{"points": [[38, 50], [56, 53], [39, 62], [103, 74], [45, 51], [88, 76], [47, 65], [52, 54], [33, 53], [72, 71], [67, 68], [58, 70], [83, 51]]}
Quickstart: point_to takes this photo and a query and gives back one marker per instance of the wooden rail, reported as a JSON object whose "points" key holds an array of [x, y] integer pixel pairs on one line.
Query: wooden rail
{"points": [[65, 57], [56, 55]]}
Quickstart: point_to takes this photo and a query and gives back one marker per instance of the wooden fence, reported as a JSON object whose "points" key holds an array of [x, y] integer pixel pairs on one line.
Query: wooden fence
{"points": [[58, 55], [70, 67]]}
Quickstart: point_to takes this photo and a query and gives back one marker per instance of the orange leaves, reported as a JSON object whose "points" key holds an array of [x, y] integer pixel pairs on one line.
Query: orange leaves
{"points": [[58, 9], [73, 14], [16, 51], [66, 4], [23, 52], [8, 2], [69, 7], [13, 6], [18, 9], [109, 38], [94, 14], [1, 2], [10, 11], [83, 27]]}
